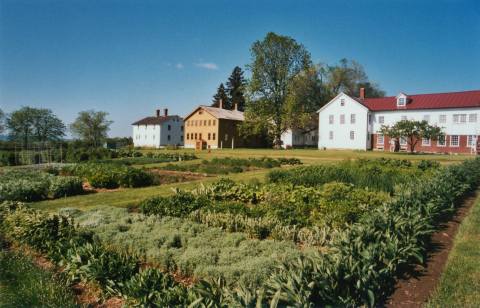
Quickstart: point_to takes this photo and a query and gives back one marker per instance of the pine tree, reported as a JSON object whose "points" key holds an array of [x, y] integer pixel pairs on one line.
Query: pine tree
{"points": [[221, 95], [235, 87]]}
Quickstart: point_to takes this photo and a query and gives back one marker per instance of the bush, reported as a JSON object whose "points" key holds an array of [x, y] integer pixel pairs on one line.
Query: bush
{"points": [[178, 205], [63, 186]]}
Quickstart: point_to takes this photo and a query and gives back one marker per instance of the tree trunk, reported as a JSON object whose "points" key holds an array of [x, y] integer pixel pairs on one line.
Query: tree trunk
{"points": [[397, 145]]}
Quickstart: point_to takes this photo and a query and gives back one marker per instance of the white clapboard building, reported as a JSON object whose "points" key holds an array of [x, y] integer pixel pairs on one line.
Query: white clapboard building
{"points": [[158, 131]]}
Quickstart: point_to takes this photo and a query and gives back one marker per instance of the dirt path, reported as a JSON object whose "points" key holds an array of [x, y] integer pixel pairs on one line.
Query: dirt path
{"points": [[415, 289]]}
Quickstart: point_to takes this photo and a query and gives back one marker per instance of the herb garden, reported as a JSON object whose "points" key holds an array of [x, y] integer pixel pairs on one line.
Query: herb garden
{"points": [[309, 236]]}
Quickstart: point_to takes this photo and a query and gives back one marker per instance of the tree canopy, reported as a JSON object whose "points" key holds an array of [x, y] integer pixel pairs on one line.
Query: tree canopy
{"points": [[29, 124], [2, 121], [412, 131], [221, 95], [91, 127], [349, 76], [235, 88], [276, 60]]}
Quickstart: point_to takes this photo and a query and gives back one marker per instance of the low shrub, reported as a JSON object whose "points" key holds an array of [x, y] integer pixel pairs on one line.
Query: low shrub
{"points": [[178, 205], [63, 186]]}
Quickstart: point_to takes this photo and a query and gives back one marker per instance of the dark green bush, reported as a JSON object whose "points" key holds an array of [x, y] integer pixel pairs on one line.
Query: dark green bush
{"points": [[63, 186], [178, 205]]}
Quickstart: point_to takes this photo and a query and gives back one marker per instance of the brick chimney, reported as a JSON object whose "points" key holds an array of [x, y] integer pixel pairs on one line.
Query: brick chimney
{"points": [[165, 112], [158, 112], [362, 93], [220, 104]]}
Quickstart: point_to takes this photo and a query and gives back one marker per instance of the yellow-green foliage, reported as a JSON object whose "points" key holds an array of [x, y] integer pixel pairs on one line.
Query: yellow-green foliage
{"points": [[190, 248]]}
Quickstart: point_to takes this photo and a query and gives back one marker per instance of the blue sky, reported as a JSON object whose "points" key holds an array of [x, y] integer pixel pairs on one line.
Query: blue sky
{"points": [[131, 57]]}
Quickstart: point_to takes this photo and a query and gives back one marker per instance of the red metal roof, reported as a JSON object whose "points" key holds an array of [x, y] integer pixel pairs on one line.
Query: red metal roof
{"points": [[465, 99]]}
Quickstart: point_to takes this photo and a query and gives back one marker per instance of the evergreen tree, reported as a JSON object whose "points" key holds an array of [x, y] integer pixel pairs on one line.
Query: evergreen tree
{"points": [[235, 87], [221, 95]]}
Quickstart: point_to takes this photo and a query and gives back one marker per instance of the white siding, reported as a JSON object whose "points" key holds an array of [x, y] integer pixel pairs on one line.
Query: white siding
{"points": [[341, 132], [293, 138], [158, 135], [450, 128]]}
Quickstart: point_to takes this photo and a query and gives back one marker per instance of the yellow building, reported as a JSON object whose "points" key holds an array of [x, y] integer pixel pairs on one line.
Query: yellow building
{"points": [[212, 127]]}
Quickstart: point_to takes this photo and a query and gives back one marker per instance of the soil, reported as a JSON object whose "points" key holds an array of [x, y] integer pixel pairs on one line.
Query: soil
{"points": [[415, 288], [170, 176]]}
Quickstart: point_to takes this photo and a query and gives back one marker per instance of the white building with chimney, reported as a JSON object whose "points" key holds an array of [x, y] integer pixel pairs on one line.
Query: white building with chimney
{"points": [[158, 131], [348, 122]]}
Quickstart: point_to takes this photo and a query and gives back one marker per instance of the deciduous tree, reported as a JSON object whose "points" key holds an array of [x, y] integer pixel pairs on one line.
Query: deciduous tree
{"points": [[2, 121], [91, 127], [276, 60], [412, 131]]}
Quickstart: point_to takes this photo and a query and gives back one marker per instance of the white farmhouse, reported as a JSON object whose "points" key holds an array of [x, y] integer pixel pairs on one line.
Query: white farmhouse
{"points": [[158, 131], [300, 138], [354, 123]]}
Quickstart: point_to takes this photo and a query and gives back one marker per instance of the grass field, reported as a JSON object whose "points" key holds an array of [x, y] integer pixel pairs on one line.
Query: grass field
{"points": [[459, 285], [126, 197]]}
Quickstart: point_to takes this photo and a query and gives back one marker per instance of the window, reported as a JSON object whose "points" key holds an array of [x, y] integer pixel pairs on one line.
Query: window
{"points": [[187, 136], [168, 138], [213, 136], [330, 119], [213, 121], [196, 136], [208, 136], [459, 118], [204, 122], [342, 119], [442, 118], [370, 118], [330, 135], [181, 128], [472, 118], [401, 101], [153, 137], [380, 139], [426, 141], [200, 112], [403, 141], [426, 117], [226, 137], [404, 118], [454, 141], [352, 135], [352, 118], [471, 141], [200, 136], [181, 138], [381, 119], [342, 102], [442, 141], [169, 127], [209, 122]]}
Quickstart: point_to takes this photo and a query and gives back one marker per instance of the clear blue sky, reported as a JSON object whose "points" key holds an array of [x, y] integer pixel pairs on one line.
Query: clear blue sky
{"points": [[131, 57]]}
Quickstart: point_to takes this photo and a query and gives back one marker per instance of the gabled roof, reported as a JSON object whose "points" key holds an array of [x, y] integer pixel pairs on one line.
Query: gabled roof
{"points": [[465, 99], [155, 120], [220, 113], [336, 97]]}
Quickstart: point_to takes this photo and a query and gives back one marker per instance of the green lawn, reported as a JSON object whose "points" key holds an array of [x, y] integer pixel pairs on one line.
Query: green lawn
{"points": [[125, 197], [459, 285]]}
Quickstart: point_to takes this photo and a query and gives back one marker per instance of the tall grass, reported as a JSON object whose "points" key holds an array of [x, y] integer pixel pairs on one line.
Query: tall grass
{"points": [[23, 284]]}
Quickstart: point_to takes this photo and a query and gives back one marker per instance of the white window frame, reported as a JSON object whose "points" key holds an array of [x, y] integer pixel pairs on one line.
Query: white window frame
{"points": [[426, 142], [472, 118], [342, 102], [381, 119], [352, 135], [451, 141], [342, 119], [353, 118], [442, 118], [471, 141], [331, 119], [403, 141], [444, 141], [382, 138], [330, 135]]}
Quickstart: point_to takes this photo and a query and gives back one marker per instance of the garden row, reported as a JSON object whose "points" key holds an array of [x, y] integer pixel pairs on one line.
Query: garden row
{"points": [[232, 165], [33, 185]]}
